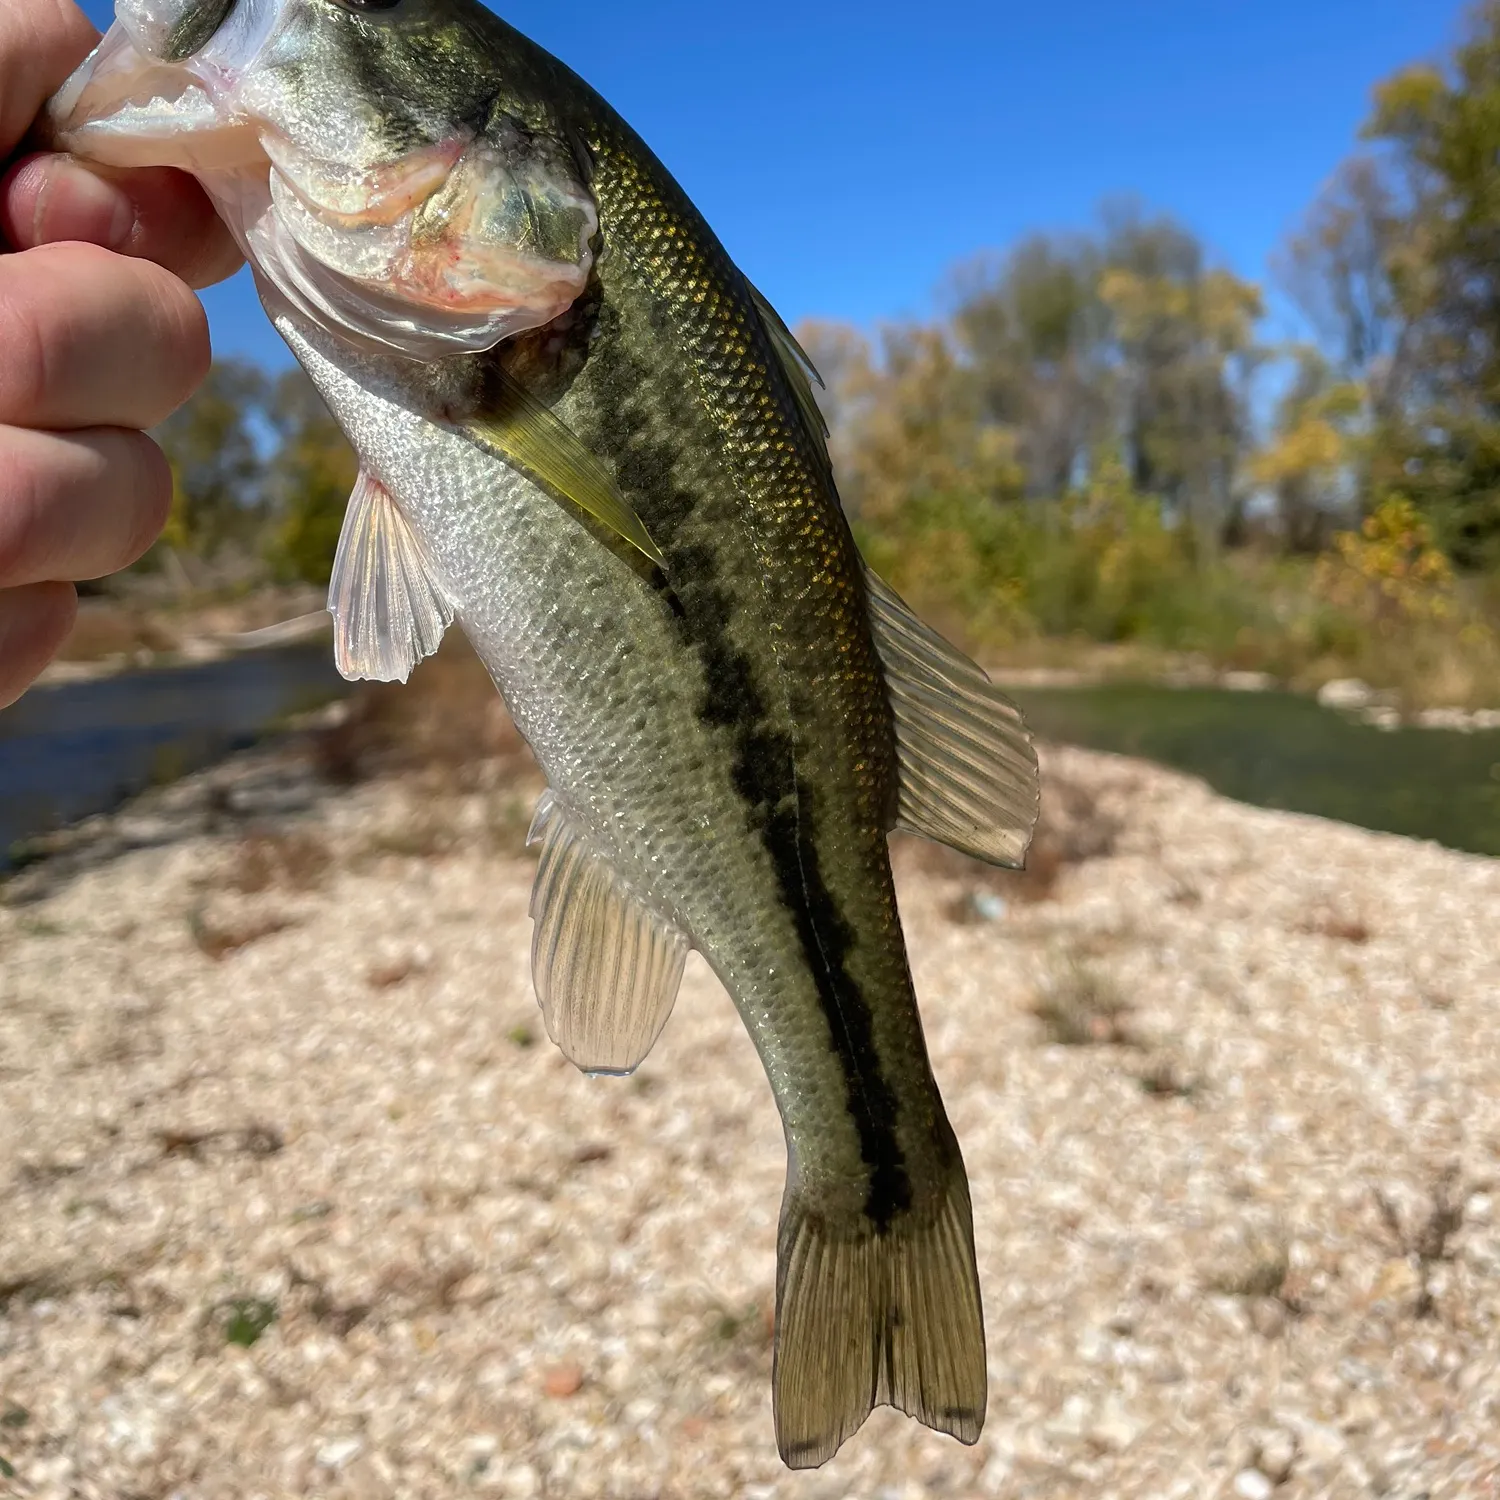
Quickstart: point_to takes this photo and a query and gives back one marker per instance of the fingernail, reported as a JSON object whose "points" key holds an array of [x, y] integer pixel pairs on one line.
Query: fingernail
{"points": [[76, 204]]}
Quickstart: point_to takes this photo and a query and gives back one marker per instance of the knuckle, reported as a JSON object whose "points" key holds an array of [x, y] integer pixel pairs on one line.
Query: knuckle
{"points": [[34, 623], [151, 497], [181, 326], [23, 504], [24, 369]]}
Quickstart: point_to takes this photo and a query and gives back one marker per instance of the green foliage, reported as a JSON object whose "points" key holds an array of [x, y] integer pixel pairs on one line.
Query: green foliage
{"points": [[246, 1320], [1312, 451], [309, 482], [1399, 265], [261, 475], [210, 444], [1102, 563]]}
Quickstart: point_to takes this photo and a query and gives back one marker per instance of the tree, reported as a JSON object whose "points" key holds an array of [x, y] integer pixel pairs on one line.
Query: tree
{"points": [[1343, 268], [309, 482], [1309, 463], [1185, 352], [217, 466], [910, 422], [1398, 267], [1031, 328]]}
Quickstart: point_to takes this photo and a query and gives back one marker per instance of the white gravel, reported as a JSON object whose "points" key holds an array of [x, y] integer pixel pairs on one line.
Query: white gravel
{"points": [[1248, 1244]]}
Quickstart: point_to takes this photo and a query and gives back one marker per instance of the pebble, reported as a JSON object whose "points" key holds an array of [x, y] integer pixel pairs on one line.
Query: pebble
{"points": [[1251, 1484], [472, 1296], [563, 1380]]}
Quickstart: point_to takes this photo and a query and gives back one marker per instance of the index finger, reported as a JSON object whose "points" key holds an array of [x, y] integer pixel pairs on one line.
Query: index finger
{"points": [[41, 42]]}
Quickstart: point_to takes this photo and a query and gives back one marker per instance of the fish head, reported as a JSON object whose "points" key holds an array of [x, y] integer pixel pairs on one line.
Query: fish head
{"points": [[380, 174]]}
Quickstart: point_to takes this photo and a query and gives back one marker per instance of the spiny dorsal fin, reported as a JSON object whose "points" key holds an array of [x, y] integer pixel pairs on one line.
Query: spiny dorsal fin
{"points": [[531, 437], [800, 370], [969, 774], [388, 611], [606, 966]]}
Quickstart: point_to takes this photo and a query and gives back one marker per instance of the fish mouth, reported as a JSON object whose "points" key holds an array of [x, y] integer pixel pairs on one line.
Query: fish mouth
{"points": [[124, 109], [432, 250]]}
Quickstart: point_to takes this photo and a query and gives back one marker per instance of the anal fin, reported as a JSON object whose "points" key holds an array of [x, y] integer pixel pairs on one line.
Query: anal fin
{"points": [[869, 1316], [606, 966], [388, 610], [969, 775]]}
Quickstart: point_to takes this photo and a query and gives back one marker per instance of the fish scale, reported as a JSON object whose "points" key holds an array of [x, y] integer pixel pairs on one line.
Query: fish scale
{"points": [[586, 438]]}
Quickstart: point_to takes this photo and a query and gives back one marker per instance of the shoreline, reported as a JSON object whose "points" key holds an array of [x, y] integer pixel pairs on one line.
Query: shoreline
{"points": [[292, 1159]]}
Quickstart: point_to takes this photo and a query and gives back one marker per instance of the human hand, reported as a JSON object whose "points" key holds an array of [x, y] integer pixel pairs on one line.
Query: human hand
{"points": [[98, 340]]}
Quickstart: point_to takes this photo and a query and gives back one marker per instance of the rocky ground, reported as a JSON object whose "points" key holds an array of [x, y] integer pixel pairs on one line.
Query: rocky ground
{"points": [[296, 1199]]}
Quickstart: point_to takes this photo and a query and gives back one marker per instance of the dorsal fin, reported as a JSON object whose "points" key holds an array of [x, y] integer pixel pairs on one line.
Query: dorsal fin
{"points": [[801, 373], [531, 437], [969, 775]]}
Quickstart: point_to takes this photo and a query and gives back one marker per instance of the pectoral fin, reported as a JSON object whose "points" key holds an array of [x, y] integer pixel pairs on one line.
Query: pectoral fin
{"points": [[606, 966], [531, 437], [388, 610], [969, 774]]}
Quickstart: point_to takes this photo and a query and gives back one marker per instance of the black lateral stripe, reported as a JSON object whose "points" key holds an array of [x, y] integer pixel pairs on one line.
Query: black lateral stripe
{"points": [[765, 778], [765, 763]]}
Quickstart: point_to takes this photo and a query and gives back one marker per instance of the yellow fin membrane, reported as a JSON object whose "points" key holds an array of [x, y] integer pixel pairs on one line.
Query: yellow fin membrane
{"points": [[868, 1317], [969, 775], [532, 438], [606, 967]]}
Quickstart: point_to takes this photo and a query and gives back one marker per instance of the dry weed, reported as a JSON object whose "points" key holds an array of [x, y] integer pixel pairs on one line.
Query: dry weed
{"points": [[1082, 1006], [295, 860], [1426, 1242], [217, 938], [448, 718]]}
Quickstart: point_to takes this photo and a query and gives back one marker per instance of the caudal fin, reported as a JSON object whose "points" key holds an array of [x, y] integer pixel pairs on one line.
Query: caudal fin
{"points": [[868, 1317]]}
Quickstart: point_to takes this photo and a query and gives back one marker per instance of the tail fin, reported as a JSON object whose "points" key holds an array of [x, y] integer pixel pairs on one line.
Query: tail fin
{"points": [[868, 1317]]}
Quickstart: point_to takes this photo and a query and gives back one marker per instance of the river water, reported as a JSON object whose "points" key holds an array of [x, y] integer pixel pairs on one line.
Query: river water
{"points": [[1284, 751], [76, 749], [84, 747]]}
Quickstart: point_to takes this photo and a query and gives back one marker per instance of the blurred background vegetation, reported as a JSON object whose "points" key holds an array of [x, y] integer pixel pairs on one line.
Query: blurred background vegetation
{"points": [[1097, 452]]}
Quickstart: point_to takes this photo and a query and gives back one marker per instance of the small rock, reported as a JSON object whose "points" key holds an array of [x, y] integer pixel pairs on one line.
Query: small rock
{"points": [[562, 1380], [1278, 1452], [1251, 1484], [1116, 1429], [1446, 718], [388, 975], [1268, 1315], [1073, 1420], [989, 907], [1248, 682], [521, 1482], [336, 1454], [1346, 692]]}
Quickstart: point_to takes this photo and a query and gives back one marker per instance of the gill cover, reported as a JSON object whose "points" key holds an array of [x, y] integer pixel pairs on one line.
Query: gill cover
{"points": [[358, 151]]}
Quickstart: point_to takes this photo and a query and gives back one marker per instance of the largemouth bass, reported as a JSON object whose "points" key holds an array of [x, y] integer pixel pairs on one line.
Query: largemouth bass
{"points": [[587, 438]]}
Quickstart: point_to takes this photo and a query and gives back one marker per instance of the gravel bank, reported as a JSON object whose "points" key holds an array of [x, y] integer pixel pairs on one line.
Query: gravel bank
{"points": [[296, 1199]]}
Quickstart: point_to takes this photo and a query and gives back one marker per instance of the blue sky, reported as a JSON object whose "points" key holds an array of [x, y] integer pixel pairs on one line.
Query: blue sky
{"points": [[849, 154]]}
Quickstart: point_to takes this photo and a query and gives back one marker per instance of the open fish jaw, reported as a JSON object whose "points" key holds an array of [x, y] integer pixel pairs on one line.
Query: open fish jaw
{"points": [[474, 234]]}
